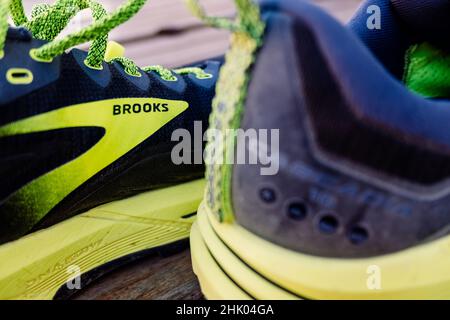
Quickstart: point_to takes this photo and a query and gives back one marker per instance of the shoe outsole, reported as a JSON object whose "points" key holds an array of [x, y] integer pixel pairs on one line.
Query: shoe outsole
{"points": [[214, 282], [225, 254], [235, 269], [40, 264]]}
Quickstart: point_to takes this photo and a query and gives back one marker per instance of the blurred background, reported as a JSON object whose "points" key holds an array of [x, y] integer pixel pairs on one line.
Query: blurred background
{"points": [[165, 32]]}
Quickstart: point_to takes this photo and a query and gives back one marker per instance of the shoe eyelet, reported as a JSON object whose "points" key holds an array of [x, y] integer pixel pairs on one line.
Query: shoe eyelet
{"points": [[133, 75], [204, 76], [92, 67], [173, 79], [33, 56], [19, 76]]}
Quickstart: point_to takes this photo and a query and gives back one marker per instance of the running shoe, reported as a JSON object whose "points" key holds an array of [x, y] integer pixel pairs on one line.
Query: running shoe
{"points": [[350, 196], [87, 177]]}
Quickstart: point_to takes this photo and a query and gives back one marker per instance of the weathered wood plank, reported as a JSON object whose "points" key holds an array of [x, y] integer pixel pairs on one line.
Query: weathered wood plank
{"points": [[153, 278]]}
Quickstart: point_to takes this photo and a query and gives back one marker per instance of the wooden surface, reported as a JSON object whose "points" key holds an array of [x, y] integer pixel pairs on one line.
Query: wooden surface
{"points": [[154, 278], [164, 32]]}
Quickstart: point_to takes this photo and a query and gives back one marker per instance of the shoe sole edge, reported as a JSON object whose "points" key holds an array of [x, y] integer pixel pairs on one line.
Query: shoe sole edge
{"points": [[417, 273]]}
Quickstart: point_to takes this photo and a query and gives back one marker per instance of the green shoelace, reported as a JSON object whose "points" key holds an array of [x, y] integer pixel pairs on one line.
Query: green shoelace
{"points": [[48, 21], [247, 31]]}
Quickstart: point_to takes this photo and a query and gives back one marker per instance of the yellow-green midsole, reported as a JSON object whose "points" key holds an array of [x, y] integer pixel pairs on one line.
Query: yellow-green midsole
{"points": [[422, 272]]}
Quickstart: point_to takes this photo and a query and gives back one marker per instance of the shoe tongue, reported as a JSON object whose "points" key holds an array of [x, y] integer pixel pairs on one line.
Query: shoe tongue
{"points": [[427, 69]]}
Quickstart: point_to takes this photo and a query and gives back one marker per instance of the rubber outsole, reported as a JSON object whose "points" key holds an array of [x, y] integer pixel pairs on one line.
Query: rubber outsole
{"points": [[236, 270], [215, 284], [421, 272], [38, 265]]}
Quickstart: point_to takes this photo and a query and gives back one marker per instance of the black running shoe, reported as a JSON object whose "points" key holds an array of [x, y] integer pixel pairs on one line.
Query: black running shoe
{"points": [[87, 177]]}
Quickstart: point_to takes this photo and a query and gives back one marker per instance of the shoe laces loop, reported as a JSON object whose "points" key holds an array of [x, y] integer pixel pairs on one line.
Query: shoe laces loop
{"points": [[48, 21], [228, 104], [164, 73], [98, 30]]}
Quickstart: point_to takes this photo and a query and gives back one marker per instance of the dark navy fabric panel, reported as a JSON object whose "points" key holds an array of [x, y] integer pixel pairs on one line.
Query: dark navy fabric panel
{"points": [[388, 44], [428, 19], [17, 55]]}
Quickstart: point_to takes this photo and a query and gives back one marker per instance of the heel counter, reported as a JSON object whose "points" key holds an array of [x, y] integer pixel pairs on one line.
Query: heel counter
{"points": [[313, 205]]}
